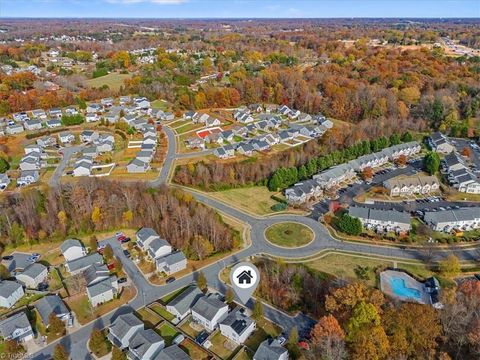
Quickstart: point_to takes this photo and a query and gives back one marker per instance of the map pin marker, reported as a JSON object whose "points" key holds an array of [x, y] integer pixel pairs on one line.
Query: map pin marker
{"points": [[244, 278]]}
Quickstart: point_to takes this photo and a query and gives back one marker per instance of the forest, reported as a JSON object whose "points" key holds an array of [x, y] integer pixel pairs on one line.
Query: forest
{"points": [[90, 206], [359, 322]]}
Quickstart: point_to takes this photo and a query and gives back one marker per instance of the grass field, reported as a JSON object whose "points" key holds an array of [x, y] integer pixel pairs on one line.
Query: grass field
{"points": [[265, 329], [193, 350], [150, 318], [167, 332], [243, 354], [344, 266], [255, 199], [113, 81], [187, 329], [218, 346], [188, 127], [289, 234], [160, 310], [167, 298], [159, 104]]}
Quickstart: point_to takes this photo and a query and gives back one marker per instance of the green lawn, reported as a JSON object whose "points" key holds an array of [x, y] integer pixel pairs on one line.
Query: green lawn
{"points": [[150, 319], [167, 332], [289, 234], [160, 310], [255, 199], [264, 329], [159, 104], [193, 350], [188, 127], [218, 347], [347, 266], [167, 298], [243, 354], [25, 300], [113, 81], [188, 330]]}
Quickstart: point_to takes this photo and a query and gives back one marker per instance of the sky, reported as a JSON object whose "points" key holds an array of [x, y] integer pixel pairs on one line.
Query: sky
{"points": [[240, 8]]}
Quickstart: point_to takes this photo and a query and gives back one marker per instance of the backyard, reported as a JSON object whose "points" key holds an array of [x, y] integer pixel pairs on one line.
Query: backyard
{"points": [[167, 332]]}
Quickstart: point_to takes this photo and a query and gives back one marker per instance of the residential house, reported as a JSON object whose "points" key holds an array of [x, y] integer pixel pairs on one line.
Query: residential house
{"points": [[195, 143], [245, 149], [224, 152], [260, 145], [303, 192], [459, 174], [409, 185], [237, 326], [113, 115], [270, 349], [463, 219], [271, 139], [20, 117], [92, 117], [10, 293], [171, 263], [89, 136], [243, 117], [200, 118], [32, 276], [123, 100], [139, 123], [106, 102], [102, 291], [145, 156], [95, 273], [94, 108], [382, 220], [211, 121], [304, 117], [270, 108], [16, 327], [145, 345], [79, 265], [53, 304], [123, 329], [335, 175], [55, 113], [150, 140], [137, 166], [209, 311], [66, 137], [70, 111], [32, 125], [83, 168], [28, 177], [4, 181], [294, 114], [182, 304], [440, 143], [53, 123], [214, 138], [188, 115], [14, 129], [39, 114], [284, 110], [46, 141], [172, 352], [145, 236], [158, 248], [32, 148]]}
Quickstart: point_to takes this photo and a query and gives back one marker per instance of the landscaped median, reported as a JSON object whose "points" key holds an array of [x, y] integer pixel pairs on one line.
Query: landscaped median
{"points": [[289, 234]]}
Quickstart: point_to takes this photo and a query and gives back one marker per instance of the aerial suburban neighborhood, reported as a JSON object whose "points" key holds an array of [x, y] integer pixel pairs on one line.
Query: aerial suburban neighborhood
{"points": [[329, 153]]}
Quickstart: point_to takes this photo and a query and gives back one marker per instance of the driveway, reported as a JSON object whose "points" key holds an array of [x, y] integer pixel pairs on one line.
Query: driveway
{"points": [[68, 152]]}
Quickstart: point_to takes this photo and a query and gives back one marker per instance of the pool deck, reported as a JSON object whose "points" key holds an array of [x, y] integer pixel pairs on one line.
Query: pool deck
{"points": [[385, 285]]}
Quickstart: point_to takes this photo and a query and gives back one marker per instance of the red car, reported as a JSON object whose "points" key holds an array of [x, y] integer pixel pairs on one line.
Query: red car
{"points": [[304, 345], [111, 266]]}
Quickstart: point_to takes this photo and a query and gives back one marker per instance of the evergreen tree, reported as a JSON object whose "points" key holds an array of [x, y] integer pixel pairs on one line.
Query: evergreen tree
{"points": [[118, 354], [431, 163], [407, 137], [257, 311], [59, 353], [395, 139], [202, 281]]}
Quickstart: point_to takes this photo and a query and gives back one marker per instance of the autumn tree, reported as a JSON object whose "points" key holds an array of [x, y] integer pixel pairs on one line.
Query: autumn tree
{"points": [[108, 253], [93, 243], [118, 354], [4, 273], [229, 295], [328, 339], [97, 342], [118, 265], [55, 325], [467, 152], [401, 161], [257, 311], [367, 173], [13, 348], [369, 342], [59, 353], [202, 281], [4, 165], [97, 217], [450, 266]]}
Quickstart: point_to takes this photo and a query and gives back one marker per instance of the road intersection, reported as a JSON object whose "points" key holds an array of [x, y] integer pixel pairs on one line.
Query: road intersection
{"points": [[76, 342]]}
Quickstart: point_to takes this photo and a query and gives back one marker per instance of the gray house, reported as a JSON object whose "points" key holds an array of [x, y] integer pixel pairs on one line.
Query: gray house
{"points": [[173, 353], [80, 264], [137, 166], [53, 304], [96, 273], [237, 326], [209, 311], [33, 275], [123, 329], [102, 291], [10, 293], [16, 327], [145, 236], [145, 344], [171, 263], [182, 304], [271, 349]]}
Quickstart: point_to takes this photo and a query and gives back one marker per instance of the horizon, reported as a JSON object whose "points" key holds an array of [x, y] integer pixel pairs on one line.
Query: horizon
{"points": [[239, 9]]}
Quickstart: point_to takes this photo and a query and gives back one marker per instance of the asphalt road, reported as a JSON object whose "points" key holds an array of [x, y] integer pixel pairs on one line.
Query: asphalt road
{"points": [[68, 152]]}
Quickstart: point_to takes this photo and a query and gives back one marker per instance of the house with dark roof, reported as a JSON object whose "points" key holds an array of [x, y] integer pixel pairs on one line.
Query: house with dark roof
{"points": [[16, 327], [440, 143], [209, 311], [237, 326], [81, 264], [33, 275], [271, 349], [53, 304], [10, 293], [181, 305], [137, 166], [145, 345], [95, 273], [463, 219], [72, 249], [123, 329], [304, 191], [172, 353], [145, 236], [158, 248], [381, 219]]}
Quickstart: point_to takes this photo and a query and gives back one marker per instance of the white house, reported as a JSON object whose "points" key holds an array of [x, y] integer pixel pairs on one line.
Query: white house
{"points": [[181, 305], [382, 220], [102, 291], [10, 293], [16, 327], [145, 345], [33, 275], [73, 249], [4, 181], [237, 326], [209, 311], [28, 177], [66, 137], [123, 329], [171, 263], [158, 248], [463, 219]]}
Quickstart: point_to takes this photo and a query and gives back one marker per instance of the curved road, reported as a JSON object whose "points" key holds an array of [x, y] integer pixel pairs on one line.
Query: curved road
{"points": [[75, 343]]}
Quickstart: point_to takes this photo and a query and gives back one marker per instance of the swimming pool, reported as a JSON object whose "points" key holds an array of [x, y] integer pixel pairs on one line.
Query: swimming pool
{"points": [[399, 289]]}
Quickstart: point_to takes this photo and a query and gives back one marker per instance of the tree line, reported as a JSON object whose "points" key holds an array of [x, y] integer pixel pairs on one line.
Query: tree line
{"points": [[285, 177], [93, 205]]}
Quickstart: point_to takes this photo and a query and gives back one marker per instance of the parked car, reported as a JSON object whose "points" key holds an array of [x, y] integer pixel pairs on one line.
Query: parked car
{"points": [[8, 257], [200, 339], [122, 280], [111, 266], [126, 253], [42, 287], [101, 248], [170, 280], [282, 339], [125, 240]]}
